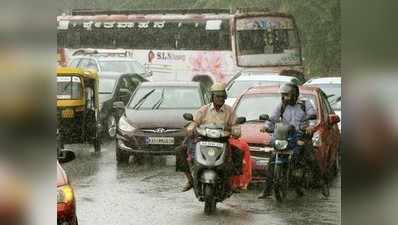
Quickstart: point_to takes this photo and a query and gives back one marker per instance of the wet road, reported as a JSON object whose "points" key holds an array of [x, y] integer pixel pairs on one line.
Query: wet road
{"points": [[149, 193]]}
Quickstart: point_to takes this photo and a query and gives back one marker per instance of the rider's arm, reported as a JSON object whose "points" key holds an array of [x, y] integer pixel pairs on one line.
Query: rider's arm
{"points": [[274, 117], [197, 120]]}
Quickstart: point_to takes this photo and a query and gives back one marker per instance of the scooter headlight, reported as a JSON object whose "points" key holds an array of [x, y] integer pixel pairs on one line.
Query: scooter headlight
{"points": [[281, 144]]}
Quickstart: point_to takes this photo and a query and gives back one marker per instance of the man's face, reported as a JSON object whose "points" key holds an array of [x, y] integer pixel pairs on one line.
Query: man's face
{"points": [[286, 98], [218, 100]]}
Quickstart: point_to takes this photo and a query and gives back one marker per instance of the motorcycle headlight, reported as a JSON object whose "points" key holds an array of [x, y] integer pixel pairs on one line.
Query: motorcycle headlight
{"points": [[213, 133], [281, 144], [316, 139], [124, 125], [65, 194]]}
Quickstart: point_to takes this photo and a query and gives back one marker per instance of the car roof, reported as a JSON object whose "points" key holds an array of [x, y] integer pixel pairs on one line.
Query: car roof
{"points": [[266, 77], [324, 80], [171, 84], [257, 73], [275, 89]]}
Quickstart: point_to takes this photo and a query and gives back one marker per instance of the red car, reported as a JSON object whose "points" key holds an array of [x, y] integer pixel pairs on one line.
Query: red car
{"points": [[263, 100], [66, 205]]}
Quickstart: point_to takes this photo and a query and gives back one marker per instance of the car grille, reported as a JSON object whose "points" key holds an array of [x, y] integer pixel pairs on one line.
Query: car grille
{"points": [[160, 130]]}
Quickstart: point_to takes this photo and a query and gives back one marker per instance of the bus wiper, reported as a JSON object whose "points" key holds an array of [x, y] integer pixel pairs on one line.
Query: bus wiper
{"points": [[141, 101], [160, 101]]}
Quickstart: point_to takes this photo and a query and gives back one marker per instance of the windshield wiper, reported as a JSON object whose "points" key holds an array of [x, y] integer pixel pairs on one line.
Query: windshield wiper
{"points": [[159, 102], [141, 101]]}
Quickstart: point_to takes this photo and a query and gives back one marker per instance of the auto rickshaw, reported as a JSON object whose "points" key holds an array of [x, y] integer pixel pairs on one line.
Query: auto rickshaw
{"points": [[77, 107]]}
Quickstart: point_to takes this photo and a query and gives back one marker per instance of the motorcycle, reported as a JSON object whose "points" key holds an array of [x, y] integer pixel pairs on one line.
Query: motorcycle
{"points": [[212, 164], [288, 171]]}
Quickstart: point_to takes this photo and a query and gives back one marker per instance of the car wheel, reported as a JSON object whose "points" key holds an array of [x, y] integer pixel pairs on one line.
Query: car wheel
{"points": [[111, 126], [121, 156]]}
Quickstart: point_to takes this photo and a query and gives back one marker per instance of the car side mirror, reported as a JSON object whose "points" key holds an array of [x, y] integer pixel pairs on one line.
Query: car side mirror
{"points": [[240, 120], [66, 156], [334, 119], [118, 105], [264, 117], [188, 116]]}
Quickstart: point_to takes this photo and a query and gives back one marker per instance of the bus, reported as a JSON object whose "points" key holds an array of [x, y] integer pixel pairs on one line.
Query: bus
{"points": [[204, 45]]}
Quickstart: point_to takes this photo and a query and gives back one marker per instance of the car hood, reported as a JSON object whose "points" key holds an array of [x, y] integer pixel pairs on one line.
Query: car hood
{"points": [[157, 118], [250, 132], [61, 176]]}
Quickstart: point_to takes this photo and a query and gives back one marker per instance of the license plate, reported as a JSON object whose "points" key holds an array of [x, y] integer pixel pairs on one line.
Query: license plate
{"points": [[160, 140]]}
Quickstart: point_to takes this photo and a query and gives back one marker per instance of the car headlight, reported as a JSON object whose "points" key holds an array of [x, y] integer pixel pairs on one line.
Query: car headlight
{"points": [[124, 125], [65, 194], [281, 144], [316, 139]]}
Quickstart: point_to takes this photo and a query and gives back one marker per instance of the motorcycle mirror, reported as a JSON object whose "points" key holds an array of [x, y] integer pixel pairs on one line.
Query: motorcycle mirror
{"points": [[240, 120], [264, 117], [188, 116]]}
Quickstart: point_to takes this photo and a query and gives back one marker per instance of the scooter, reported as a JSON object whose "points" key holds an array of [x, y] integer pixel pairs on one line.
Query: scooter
{"points": [[212, 166]]}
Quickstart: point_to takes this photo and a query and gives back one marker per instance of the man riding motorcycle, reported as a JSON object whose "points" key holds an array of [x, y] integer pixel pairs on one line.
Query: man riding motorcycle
{"points": [[293, 111], [216, 112]]}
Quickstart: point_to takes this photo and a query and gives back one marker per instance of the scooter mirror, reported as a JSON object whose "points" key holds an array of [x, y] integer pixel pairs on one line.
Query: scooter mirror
{"points": [[188, 116], [240, 120]]}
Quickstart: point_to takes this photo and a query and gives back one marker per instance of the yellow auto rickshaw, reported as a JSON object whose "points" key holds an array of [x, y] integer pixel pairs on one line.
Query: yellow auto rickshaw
{"points": [[77, 107]]}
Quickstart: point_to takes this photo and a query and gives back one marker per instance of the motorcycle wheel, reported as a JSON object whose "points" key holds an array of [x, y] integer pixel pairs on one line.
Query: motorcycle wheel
{"points": [[280, 189], [210, 202]]}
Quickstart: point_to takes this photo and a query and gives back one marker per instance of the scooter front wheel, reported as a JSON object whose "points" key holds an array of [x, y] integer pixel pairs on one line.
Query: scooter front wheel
{"points": [[210, 201]]}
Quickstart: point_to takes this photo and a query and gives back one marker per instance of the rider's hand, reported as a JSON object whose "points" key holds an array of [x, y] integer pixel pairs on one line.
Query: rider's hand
{"points": [[308, 130]]}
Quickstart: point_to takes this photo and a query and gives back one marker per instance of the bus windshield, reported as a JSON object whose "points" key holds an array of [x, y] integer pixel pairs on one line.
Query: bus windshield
{"points": [[267, 41]]}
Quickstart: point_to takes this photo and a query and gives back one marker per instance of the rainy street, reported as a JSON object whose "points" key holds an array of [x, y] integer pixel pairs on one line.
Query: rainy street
{"points": [[149, 193]]}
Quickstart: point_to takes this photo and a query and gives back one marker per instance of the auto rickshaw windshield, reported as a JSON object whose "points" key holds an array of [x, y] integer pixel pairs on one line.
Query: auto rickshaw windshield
{"points": [[69, 87]]}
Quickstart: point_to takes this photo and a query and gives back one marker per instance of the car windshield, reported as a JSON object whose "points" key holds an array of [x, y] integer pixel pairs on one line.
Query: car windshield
{"points": [[252, 106], [68, 87], [127, 66], [333, 91], [238, 87], [166, 98], [107, 85]]}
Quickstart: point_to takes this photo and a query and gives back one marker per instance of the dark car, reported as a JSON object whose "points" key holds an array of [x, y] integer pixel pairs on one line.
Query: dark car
{"points": [[262, 100], [114, 87], [153, 121], [66, 204]]}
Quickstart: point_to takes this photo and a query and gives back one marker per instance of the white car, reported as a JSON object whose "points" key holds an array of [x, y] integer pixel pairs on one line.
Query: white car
{"points": [[331, 86], [237, 86]]}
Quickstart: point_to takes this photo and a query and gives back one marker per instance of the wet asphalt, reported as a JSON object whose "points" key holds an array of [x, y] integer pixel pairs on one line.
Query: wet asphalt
{"points": [[149, 193]]}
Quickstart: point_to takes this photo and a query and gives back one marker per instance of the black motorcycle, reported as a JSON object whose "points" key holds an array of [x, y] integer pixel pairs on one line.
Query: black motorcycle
{"points": [[212, 164], [288, 171]]}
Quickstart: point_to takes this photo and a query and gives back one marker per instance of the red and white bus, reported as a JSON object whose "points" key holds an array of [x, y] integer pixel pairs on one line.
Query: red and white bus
{"points": [[203, 45]]}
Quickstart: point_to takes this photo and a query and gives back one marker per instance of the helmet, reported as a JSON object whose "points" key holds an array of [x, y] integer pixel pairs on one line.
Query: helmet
{"points": [[218, 89], [290, 88]]}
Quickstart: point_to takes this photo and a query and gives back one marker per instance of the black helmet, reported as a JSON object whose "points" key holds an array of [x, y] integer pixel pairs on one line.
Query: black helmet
{"points": [[290, 88]]}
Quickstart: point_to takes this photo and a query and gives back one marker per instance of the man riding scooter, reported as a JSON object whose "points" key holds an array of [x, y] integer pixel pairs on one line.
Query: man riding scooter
{"points": [[216, 112], [292, 111]]}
